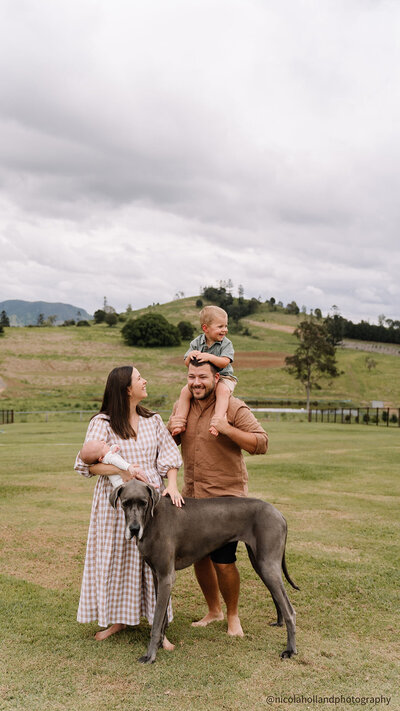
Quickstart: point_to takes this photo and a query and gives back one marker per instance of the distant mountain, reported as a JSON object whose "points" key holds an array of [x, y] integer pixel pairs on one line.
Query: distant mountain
{"points": [[25, 313]]}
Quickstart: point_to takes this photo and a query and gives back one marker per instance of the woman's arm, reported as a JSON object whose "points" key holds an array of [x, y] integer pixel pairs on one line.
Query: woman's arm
{"points": [[134, 472], [172, 488]]}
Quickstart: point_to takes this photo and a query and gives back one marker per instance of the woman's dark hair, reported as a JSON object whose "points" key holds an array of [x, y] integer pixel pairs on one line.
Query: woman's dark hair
{"points": [[116, 402]]}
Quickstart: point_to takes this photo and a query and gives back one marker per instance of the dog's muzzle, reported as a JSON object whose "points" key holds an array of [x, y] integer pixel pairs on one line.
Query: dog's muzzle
{"points": [[133, 530]]}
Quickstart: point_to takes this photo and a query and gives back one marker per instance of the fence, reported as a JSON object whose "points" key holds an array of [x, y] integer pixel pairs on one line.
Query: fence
{"points": [[387, 416]]}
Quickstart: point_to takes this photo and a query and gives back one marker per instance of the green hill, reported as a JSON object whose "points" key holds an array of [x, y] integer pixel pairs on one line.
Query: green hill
{"points": [[58, 367]]}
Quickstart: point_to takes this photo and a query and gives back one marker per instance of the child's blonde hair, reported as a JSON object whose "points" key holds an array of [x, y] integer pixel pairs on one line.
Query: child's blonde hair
{"points": [[211, 313]]}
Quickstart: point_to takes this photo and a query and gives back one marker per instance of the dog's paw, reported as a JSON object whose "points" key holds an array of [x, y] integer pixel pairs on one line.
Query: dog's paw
{"points": [[146, 659], [287, 654]]}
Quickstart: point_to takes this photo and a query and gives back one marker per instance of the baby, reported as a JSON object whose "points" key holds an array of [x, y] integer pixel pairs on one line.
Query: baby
{"points": [[99, 451], [210, 346]]}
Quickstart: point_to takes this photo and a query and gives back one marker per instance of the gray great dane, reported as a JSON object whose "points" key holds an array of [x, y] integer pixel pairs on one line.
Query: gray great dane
{"points": [[171, 538]]}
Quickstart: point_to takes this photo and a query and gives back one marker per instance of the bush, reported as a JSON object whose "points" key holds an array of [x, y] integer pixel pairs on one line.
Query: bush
{"points": [[394, 418], [111, 319], [199, 304], [1, 331], [186, 330], [69, 322], [150, 331], [99, 316], [83, 323]]}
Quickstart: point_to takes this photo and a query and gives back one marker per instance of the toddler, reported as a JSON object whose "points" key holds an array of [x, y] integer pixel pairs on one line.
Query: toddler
{"points": [[210, 346]]}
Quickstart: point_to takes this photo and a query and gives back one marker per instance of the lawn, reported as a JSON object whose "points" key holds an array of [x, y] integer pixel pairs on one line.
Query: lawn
{"points": [[338, 487]]}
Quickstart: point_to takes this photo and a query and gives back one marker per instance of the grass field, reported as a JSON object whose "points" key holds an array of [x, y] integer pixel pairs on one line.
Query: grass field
{"points": [[338, 487], [59, 368]]}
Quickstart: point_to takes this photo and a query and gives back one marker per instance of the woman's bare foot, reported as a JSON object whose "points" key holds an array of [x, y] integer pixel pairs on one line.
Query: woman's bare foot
{"points": [[210, 617], [168, 645], [234, 627], [103, 634]]}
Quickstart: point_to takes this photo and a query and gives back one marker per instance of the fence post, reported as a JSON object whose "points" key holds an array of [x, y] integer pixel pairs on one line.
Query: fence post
{"points": [[387, 422]]}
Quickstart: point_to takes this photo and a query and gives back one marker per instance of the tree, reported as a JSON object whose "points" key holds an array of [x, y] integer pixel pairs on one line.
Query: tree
{"points": [[292, 308], [40, 320], [335, 325], [1, 330], [4, 320], [150, 331], [111, 319], [186, 330], [315, 357], [99, 316]]}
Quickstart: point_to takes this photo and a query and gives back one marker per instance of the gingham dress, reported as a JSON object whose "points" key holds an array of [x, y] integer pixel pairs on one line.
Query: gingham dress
{"points": [[117, 585]]}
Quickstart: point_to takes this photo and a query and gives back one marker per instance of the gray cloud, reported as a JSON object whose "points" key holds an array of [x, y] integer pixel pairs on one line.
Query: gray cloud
{"points": [[170, 145]]}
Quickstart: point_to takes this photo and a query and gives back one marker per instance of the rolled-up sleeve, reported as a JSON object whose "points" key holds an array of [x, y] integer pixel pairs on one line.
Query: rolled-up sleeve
{"points": [[245, 420], [168, 455], [98, 429]]}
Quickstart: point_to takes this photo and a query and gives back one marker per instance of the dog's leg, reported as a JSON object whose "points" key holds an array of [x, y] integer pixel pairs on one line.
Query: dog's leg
{"points": [[164, 587], [272, 578], [279, 616]]}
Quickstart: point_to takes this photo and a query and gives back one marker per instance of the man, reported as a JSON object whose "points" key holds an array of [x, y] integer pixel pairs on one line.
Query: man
{"points": [[214, 466]]}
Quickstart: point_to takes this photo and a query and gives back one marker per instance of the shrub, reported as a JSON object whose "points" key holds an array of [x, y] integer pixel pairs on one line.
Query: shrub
{"points": [[150, 331], [83, 323], [111, 318], [99, 316], [199, 304], [186, 330]]}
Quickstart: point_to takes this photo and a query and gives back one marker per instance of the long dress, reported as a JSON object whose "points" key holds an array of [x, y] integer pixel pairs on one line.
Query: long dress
{"points": [[117, 585]]}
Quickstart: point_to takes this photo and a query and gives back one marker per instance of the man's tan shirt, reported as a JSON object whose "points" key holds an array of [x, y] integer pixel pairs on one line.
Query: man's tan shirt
{"points": [[214, 466]]}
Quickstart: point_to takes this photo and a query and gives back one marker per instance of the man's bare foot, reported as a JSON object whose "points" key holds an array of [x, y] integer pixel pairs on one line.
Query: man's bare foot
{"points": [[210, 617], [234, 627], [168, 645], [213, 430], [103, 634]]}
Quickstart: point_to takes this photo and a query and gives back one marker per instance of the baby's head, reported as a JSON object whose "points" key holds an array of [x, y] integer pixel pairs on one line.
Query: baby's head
{"points": [[214, 322], [94, 450]]}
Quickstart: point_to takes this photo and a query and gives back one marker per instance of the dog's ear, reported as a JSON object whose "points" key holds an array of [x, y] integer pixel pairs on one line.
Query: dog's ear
{"points": [[115, 495], [154, 497]]}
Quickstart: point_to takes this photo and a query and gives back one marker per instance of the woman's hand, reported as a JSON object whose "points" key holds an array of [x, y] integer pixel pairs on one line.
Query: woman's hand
{"points": [[173, 492], [134, 472], [172, 488]]}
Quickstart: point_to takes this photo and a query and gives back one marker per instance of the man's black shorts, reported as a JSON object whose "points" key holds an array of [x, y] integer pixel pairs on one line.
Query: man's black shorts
{"points": [[225, 554]]}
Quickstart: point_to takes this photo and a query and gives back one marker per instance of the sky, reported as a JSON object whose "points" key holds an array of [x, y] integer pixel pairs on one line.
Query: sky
{"points": [[150, 149]]}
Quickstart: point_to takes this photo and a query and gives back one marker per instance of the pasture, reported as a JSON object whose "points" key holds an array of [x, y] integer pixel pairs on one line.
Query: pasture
{"points": [[338, 488]]}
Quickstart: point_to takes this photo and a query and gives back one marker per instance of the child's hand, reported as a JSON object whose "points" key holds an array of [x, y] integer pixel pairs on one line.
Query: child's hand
{"points": [[202, 357], [195, 354], [176, 498]]}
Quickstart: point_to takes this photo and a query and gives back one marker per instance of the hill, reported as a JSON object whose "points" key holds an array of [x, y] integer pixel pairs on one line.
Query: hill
{"points": [[25, 313], [57, 367]]}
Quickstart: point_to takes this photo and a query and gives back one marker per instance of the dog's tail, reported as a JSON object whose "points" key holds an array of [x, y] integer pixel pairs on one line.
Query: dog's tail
{"points": [[287, 576]]}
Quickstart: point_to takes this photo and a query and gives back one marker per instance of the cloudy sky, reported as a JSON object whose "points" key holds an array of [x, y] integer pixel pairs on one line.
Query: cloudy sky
{"points": [[150, 147]]}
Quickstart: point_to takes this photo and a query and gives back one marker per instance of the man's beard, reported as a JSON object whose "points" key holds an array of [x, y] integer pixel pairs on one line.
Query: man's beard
{"points": [[200, 394]]}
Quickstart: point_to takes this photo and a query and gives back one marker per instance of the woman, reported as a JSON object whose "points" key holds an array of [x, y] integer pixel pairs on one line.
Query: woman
{"points": [[117, 586]]}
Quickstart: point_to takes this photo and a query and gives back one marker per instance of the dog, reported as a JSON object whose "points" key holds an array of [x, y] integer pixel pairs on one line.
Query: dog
{"points": [[171, 538]]}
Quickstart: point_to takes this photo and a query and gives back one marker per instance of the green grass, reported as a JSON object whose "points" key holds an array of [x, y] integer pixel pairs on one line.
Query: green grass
{"points": [[338, 487], [66, 368]]}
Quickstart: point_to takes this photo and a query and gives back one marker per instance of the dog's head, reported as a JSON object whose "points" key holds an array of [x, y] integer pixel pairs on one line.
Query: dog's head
{"points": [[138, 501]]}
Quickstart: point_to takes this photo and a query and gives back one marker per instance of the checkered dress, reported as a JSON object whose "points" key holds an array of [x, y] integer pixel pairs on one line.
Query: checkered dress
{"points": [[117, 585]]}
